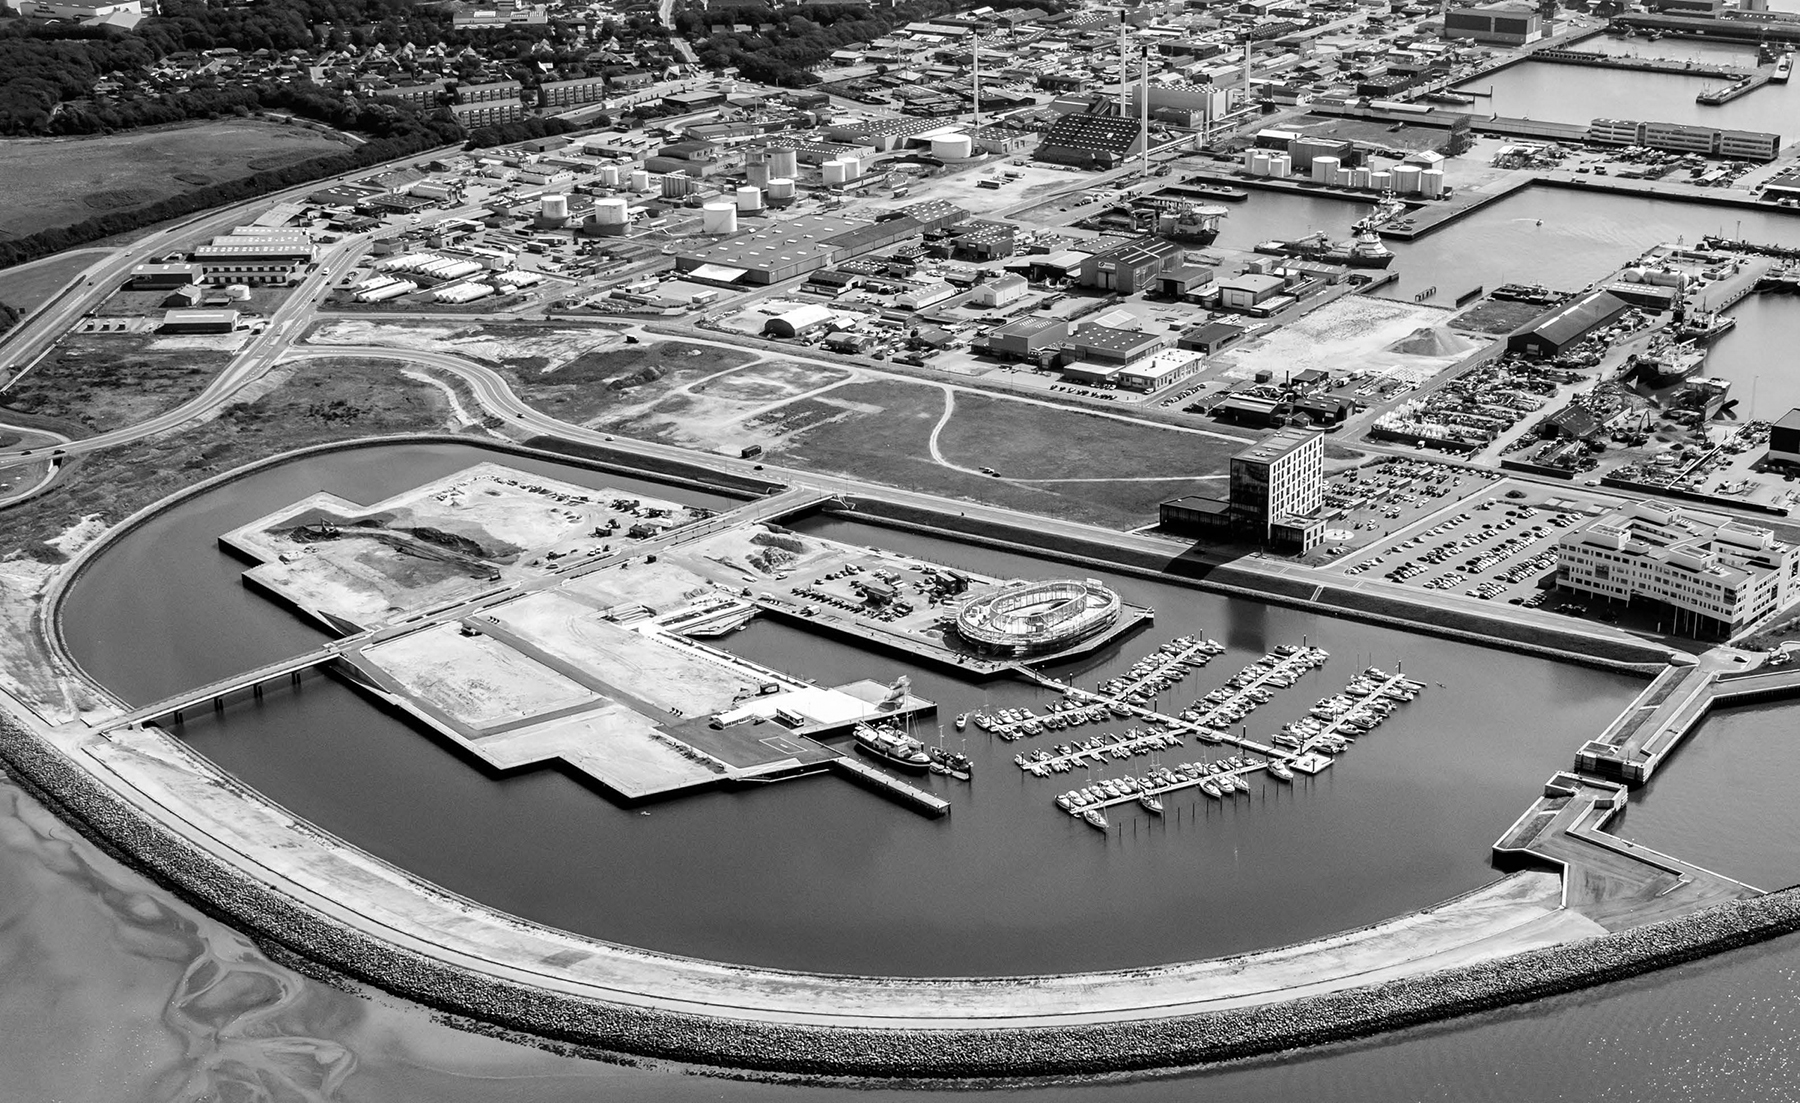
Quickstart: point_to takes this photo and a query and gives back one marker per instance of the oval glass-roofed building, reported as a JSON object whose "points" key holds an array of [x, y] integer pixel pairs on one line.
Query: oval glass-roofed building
{"points": [[1022, 618]]}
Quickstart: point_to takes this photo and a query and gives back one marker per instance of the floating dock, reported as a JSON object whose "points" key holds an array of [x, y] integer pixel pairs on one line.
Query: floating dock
{"points": [[888, 785]]}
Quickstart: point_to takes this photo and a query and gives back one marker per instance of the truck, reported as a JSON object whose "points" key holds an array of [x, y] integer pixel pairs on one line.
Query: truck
{"points": [[750, 450]]}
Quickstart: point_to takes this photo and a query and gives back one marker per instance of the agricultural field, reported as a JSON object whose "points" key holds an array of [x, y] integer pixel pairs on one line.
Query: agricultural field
{"points": [[49, 182], [28, 286]]}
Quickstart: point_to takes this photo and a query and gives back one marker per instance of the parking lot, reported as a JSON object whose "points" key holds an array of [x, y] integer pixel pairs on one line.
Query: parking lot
{"points": [[1497, 549], [1376, 500]]}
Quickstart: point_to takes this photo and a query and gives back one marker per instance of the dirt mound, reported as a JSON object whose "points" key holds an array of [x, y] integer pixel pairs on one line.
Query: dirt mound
{"points": [[1433, 341]]}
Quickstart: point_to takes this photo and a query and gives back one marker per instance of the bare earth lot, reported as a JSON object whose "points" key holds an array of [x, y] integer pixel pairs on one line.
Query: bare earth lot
{"points": [[47, 182], [93, 384]]}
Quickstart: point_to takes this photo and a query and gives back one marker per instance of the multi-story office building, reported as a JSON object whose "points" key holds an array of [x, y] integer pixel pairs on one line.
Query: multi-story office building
{"points": [[1715, 577], [1278, 484]]}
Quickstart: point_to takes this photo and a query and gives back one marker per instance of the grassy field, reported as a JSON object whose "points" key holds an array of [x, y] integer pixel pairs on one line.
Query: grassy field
{"points": [[881, 432], [95, 384], [325, 400], [46, 182], [30, 285]]}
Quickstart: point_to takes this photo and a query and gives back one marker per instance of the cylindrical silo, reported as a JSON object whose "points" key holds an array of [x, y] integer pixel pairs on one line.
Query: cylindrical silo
{"points": [[781, 189], [749, 200], [719, 217], [784, 162], [952, 147], [836, 174], [675, 185]]}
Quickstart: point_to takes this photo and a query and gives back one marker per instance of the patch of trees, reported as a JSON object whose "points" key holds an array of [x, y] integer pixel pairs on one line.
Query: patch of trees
{"points": [[9, 316], [788, 40]]}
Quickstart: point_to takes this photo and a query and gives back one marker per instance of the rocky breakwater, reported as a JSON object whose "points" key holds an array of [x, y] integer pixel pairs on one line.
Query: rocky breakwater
{"points": [[905, 1049]]}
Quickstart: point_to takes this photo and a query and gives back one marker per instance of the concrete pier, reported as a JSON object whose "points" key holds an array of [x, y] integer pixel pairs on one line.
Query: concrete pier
{"points": [[1667, 712], [1612, 881]]}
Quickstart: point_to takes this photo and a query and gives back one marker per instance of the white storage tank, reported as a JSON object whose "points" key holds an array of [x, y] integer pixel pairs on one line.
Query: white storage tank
{"points": [[1431, 183], [784, 162], [609, 217], [611, 175], [1250, 156], [1359, 178], [1281, 165], [953, 147], [237, 292], [640, 180], [1406, 179], [781, 189], [837, 174], [1381, 180], [719, 217], [1259, 163], [1324, 169], [749, 200], [554, 207]]}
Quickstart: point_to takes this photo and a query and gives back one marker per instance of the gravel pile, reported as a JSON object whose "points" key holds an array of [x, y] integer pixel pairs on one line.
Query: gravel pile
{"points": [[288, 928]]}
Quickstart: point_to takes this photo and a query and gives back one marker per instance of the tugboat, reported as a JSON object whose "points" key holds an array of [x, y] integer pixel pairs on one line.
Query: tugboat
{"points": [[891, 746], [1363, 251]]}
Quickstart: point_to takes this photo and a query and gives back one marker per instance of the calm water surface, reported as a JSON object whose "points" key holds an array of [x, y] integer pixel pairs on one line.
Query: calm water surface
{"points": [[111, 991], [1561, 238], [1579, 94], [821, 874]]}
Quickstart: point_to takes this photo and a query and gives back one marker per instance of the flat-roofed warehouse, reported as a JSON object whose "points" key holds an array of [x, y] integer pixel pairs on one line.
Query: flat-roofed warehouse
{"points": [[798, 246], [1565, 326]]}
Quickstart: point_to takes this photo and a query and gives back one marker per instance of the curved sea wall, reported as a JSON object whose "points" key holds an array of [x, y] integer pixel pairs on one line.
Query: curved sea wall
{"points": [[916, 1051]]}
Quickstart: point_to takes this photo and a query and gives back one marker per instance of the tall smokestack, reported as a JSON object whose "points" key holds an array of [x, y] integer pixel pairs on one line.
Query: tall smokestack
{"points": [[1246, 72], [978, 85], [1144, 112], [1124, 69]]}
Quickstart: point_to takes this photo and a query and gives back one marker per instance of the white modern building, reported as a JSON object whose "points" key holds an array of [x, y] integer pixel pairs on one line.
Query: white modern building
{"points": [[1716, 576]]}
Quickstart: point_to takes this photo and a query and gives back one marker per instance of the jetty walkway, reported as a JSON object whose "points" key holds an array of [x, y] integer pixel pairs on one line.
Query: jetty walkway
{"points": [[1635, 744], [1614, 882]]}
